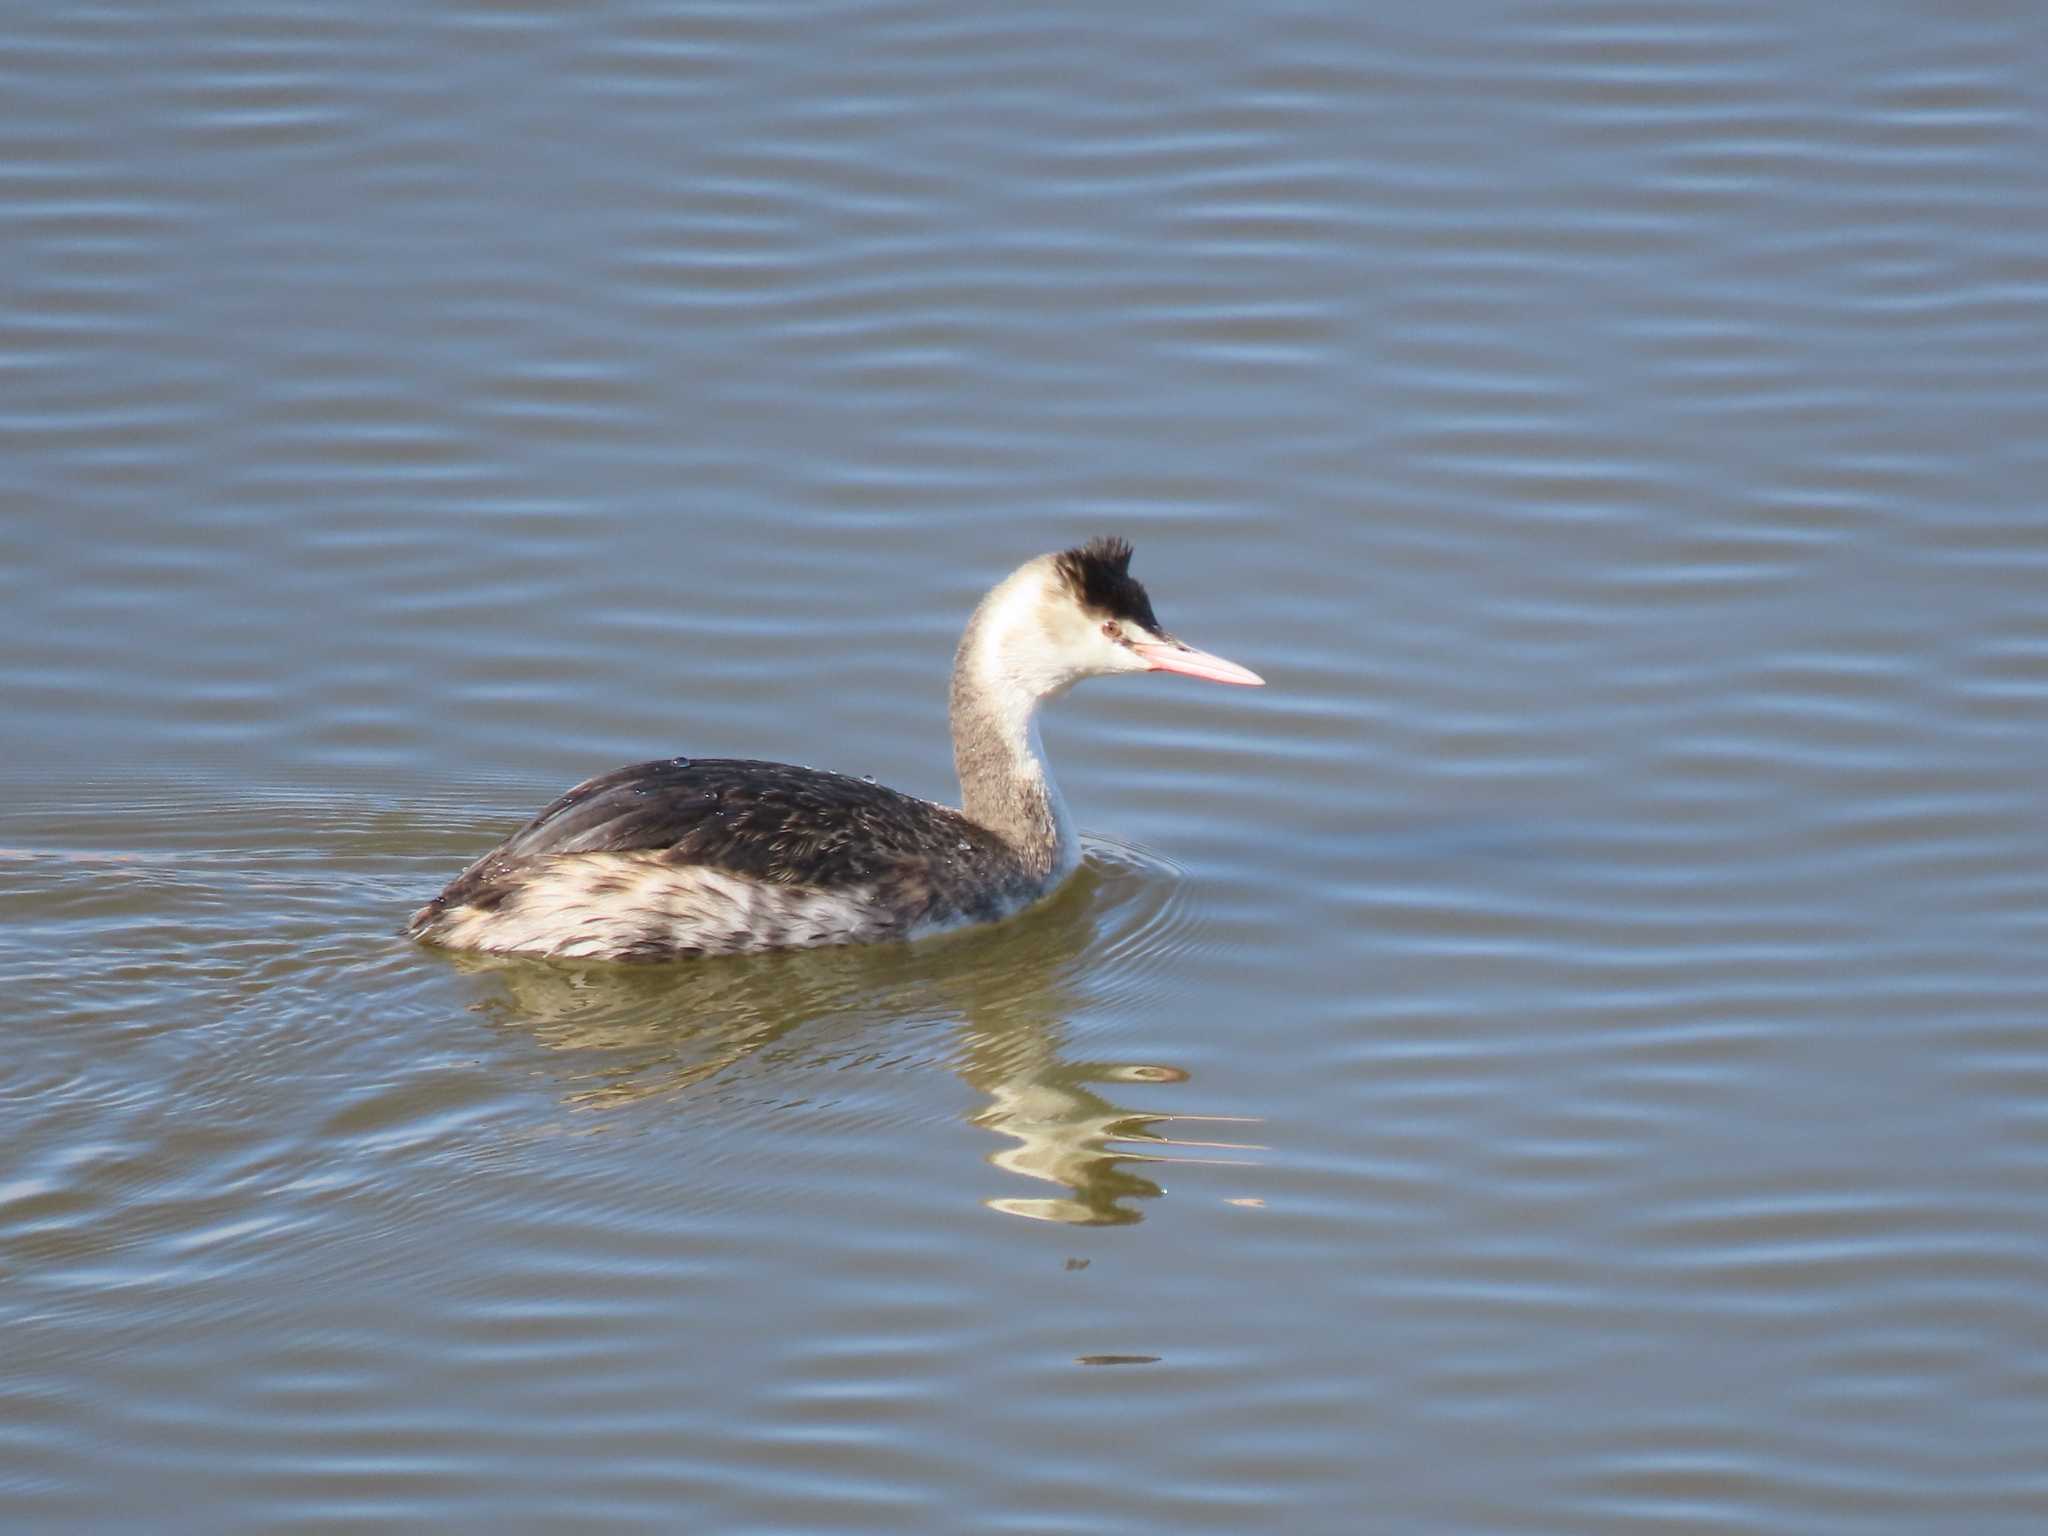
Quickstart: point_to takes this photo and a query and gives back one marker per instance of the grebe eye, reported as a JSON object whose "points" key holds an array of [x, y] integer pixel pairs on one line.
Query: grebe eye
{"points": [[1111, 628]]}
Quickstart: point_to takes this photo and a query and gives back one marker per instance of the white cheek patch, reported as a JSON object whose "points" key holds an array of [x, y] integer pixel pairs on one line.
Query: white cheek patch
{"points": [[1016, 657]]}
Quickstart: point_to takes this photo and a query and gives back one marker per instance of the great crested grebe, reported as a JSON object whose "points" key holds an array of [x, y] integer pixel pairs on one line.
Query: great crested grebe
{"points": [[712, 855]]}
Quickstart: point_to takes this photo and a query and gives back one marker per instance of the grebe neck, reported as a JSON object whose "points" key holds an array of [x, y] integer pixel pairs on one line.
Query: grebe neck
{"points": [[998, 684]]}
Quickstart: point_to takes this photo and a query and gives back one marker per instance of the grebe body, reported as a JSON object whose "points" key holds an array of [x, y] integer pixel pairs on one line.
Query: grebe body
{"points": [[700, 856]]}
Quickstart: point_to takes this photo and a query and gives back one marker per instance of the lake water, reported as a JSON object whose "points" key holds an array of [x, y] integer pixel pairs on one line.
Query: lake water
{"points": [[1569, 1055]]}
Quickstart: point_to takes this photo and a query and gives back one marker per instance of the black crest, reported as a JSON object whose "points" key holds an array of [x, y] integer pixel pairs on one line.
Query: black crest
{"points": [[1098, 574]]}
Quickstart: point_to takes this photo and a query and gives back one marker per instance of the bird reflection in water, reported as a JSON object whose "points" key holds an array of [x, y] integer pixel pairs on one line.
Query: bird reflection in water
{"points": [[740, 1028], [1068, 1134]]}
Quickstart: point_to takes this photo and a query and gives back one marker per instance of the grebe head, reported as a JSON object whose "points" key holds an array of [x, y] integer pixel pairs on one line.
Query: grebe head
{"points": [[1080, 613]]}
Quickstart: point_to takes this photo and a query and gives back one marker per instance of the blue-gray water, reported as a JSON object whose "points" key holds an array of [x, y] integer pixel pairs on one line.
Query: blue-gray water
{"points": [[1570, 1055]]}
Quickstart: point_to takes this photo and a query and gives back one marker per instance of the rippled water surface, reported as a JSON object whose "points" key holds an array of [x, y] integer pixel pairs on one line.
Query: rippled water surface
{"points": [[1570, 1055]]}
